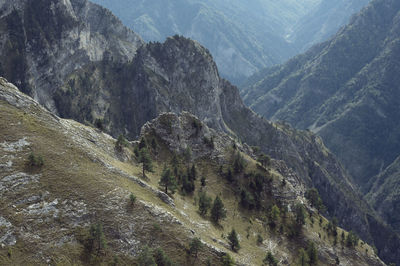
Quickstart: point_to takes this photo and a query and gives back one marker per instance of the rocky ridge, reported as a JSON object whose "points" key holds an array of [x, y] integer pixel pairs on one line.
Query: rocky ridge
{"points": [[44, 41], [49, 208]]}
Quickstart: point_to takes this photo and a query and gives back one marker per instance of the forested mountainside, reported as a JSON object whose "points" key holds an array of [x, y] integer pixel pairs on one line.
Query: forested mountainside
{"points": [[384, 195], [72, 195], [119, 94], [346, 90], [243, 36]]}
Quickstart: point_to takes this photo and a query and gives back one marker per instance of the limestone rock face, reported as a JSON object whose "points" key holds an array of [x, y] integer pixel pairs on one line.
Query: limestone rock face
{"points": [[183, 131], [42, 42]]}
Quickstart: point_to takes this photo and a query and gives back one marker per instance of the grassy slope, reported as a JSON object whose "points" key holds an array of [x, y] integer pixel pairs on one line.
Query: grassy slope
{"points": [[83, 182]]}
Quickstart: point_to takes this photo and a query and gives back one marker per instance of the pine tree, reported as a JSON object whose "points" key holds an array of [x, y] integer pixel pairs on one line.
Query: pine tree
{"points": [[96, 240], [274, 215], [312, 253], [204, 203], [145, 159], [187, 184], [233, 240], [270, 259], [146, 258], [120, 143], [167, 180], [352, 239], [192, 173], [300, 214], [161, 259], [315, 200], [239, 163], [218, 211], [303, 258], [142, 143], [195, 246]]}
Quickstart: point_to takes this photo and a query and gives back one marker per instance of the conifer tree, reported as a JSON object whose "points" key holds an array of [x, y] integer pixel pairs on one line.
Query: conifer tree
{"points": [[312, 253], [204, 203], [145, 159], [167, 180], [233, 240], [303, 258], [270, 259], [218, 210], [195, 246]]}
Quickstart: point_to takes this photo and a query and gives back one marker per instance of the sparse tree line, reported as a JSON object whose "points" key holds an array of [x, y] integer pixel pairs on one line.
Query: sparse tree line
{"points": [[254, 187]]}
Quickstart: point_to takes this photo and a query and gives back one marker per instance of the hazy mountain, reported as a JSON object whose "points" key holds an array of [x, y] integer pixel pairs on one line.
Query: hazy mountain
{"points": [[243, 36], [345, 89], [120, 93], [323, 21]]}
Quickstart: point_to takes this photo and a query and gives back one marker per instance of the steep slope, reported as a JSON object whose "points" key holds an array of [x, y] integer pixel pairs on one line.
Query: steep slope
{"points": [[42, 42], [384, 195], [346, 90], [180, 75], [47, 210], [323, 21]]}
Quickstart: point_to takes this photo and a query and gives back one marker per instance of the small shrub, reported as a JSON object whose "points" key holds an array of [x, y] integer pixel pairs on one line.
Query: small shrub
{"points": [[352, 239], [35, 160], [146, 258], [203, 181], [227, 260], [259, 239], [99, 123], [132, 199], [121, 143], [9, 252], [209, 142]]}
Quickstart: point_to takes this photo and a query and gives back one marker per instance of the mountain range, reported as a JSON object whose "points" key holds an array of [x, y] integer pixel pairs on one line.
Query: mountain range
{"points": [[346, 90], [243, 37], [102, 74]]}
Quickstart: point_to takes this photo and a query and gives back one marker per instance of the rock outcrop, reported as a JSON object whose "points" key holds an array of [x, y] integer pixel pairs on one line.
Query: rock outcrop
{"points": [[43, 42]]}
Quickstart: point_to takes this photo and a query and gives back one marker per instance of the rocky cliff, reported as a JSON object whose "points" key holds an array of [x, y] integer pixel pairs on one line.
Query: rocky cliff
{"points": [[43, 42]]}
